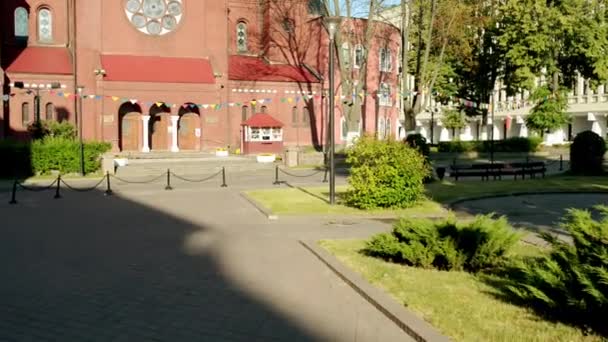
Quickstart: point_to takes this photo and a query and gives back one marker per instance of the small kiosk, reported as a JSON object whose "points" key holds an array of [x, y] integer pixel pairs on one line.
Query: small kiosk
{"points": [[262, 134]]}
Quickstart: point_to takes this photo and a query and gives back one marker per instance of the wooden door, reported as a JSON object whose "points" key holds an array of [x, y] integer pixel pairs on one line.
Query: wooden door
{"points": [[159, 125], [131, 131], [189, 126]]}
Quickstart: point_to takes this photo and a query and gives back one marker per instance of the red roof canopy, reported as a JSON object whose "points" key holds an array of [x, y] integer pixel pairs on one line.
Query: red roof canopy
{"points": [[245, 68], [262, 120], [157, 69], [42, 60]]}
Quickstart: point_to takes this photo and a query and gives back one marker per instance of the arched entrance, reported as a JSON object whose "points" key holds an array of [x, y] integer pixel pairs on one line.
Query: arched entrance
{"points": [[130, 127], [160, 121], [189, 131]]}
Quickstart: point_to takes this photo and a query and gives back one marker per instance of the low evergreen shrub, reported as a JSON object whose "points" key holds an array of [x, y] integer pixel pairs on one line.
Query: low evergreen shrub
{"points": [[570, 283], [587, 154], [446, 245], [385, 174]]}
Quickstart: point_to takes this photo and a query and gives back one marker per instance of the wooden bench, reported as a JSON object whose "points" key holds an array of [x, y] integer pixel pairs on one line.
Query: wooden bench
{"points": [[497, 170]]}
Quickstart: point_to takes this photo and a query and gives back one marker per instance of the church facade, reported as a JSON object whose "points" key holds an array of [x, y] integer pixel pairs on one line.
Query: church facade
{"points": [[183, 75]]}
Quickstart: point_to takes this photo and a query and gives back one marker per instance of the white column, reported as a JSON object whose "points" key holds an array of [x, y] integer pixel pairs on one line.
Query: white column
{"points": [[444, 135], [580, 87], [146, 135], [174, 120], [466, 135], [523, 131]]}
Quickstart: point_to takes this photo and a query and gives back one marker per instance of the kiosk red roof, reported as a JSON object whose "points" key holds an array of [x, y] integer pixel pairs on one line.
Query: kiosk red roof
{"points": [[262, 120], [157, 69]]}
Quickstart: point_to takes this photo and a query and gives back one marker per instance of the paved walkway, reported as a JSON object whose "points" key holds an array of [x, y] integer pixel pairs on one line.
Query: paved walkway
{"points": [[195, 264]]}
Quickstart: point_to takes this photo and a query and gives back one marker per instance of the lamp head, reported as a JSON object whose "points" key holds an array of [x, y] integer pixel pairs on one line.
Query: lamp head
{"points": [[332, 24]]}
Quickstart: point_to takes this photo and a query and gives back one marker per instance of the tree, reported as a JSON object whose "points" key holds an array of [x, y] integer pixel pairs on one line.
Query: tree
{"points": [[557, 39], [549, 112], [453, 119]]}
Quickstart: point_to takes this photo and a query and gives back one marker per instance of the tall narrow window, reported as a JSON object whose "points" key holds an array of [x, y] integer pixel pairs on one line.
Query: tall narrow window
{"points": [[389, 128], [385, 60], [384, 95], [294, 116], [345, 55], [25, 114], [50, 111], [244, 114], [241, 37], [264, 109], [343, 128], [253, 109], [359, 55], [45, 25], [381, 128], [21, 23], [305, 116]]}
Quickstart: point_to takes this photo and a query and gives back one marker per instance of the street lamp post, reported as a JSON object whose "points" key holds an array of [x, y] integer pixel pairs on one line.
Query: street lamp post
{"points": [[332, 24], [79, 115]]}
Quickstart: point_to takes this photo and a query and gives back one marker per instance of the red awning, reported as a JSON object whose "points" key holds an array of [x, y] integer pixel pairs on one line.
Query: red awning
{"points": [[157, 69], [42, 60], [245, 68], [262, 120]]}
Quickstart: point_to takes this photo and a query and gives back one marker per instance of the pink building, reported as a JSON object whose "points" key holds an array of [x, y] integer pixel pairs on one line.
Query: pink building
{"points": [[182, 74]]}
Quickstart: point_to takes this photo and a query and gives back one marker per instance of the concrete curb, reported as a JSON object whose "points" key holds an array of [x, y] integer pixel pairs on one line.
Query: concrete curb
{"points": [[261, 208], [407, 321], [451, 204]]}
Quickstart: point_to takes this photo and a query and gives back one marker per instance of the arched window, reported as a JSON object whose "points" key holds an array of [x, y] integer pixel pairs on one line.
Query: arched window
{"points": [[384, 95], [385, 60], [305, 116], [244, 113], [294, 116], [264, 109], [241, 37], [21, 23], [253, 109], [343, 128], [389, 128], [50, 111], [25, 114], [45, 25], [359, 56], [345, 55]]}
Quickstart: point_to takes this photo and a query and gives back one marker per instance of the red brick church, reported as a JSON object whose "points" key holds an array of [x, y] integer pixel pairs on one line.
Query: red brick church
{"points": [[180, 75]]}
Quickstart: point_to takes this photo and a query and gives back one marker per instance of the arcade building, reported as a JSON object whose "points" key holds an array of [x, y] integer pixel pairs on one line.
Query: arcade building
{"points": [[186, 75]]}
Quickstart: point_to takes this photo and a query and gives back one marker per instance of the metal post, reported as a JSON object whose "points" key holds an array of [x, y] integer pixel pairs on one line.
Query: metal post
{"points": [[492, 134], [561, 162], [82, 170], [332, 133], [37, 106], [168, 187], [325, 175], [14, 194], [109, 191], [432, 127], [57, 194], [276, 176], [224, 185]]}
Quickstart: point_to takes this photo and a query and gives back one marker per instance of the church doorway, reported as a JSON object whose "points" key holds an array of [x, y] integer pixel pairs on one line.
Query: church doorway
{"points": [[189, 131], [130, 128], [160, 121]]}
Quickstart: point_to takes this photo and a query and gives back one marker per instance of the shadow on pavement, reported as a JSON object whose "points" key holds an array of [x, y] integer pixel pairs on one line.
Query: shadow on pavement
{"points": [[95, 268]]}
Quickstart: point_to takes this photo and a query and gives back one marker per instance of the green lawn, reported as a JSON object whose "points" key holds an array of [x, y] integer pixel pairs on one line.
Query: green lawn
{"points": [[300, 201], [314, 200], [459, 304]]}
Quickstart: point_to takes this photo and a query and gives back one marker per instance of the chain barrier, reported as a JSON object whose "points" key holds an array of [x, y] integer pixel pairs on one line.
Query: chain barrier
{"points": [[278, 170], [107, 179]]}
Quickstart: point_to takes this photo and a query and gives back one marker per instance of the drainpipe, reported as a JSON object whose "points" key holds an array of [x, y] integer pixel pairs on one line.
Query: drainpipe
{"points": [[74, 53]]}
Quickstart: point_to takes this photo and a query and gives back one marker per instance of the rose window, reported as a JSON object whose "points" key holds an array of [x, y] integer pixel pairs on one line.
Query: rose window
{"points": [[154, 17]]}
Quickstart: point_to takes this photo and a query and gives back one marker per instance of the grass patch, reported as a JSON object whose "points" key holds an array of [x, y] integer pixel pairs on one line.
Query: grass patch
{"points": [[301, 201], [459, 304], [448, 191]]}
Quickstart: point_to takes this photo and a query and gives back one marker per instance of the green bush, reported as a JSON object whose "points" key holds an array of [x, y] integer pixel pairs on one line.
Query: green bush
{"points": [[385, 174], [16, 159], [516, 144], [418, 142], [572, 281], [63, 155], [587, 154], [446, 245], [41, 129]]}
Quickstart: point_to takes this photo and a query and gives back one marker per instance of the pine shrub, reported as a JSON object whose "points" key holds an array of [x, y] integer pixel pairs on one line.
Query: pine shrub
{"points": [[446, 245], [571, 282], [587, 154], [385, 174]]}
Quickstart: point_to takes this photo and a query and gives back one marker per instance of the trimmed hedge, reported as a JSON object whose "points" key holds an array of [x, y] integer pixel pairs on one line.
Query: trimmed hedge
{"points": [[587, 154], [20, 159], [508, 145]]}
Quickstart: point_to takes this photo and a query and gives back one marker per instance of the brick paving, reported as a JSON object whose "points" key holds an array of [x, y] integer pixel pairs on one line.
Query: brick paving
{"points": [[194, 264]]}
